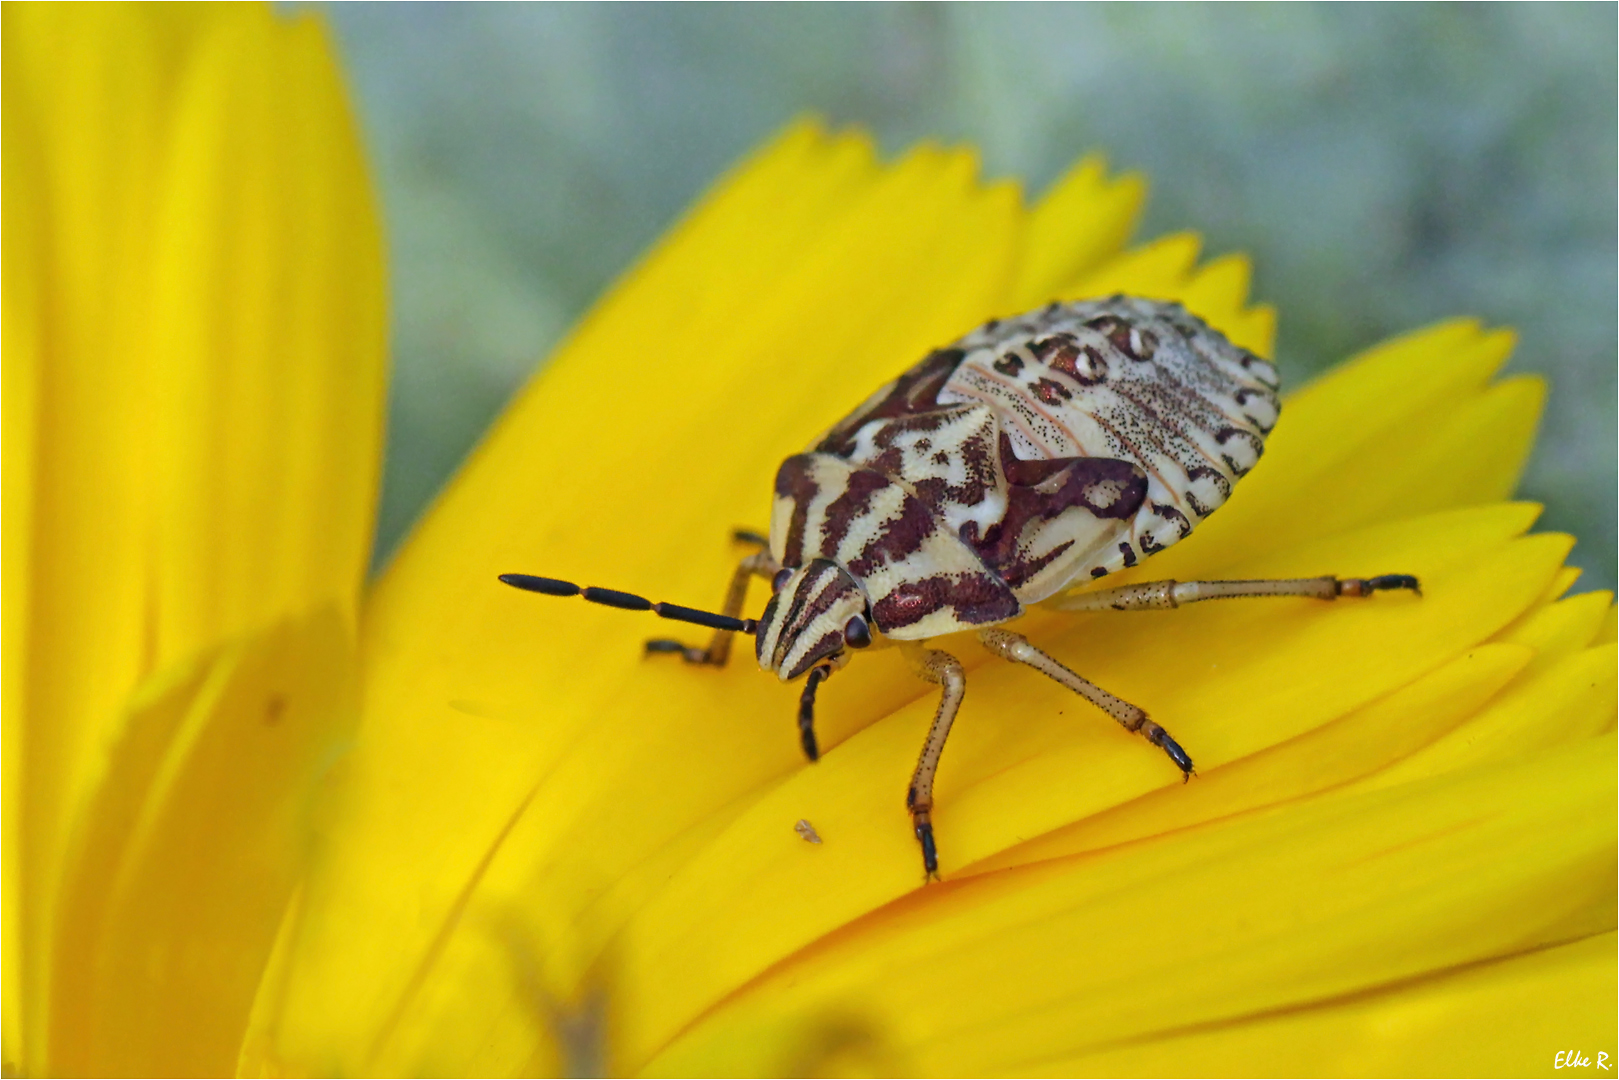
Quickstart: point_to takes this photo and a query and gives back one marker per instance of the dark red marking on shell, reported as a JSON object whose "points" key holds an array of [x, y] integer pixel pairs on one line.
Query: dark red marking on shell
{"points": [[1023, 569], [915, 391], [975, 599], [1078, 482], [1051, 391], [1137, 345], [976, 453], [842, 511], [899, 537], [1028, 472], [795, 481], [1128, 552], [1010, 364], [1085, 364]]}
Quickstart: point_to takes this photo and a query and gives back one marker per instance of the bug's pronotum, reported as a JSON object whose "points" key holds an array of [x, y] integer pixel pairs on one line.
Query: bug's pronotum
{"points": [[1035, 453]]}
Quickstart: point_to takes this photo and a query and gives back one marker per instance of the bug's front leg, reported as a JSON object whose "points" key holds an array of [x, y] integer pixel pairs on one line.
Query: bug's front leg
{"points": [[758, 564], [945, 671], [1016, 648]]}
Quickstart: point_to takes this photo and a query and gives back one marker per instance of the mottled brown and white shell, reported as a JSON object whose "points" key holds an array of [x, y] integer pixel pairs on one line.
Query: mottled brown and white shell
{"points": [[1034, 453]]}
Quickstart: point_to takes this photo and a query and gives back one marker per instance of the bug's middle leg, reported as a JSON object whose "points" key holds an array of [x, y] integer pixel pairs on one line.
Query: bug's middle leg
{"points": [[758, 564], [945, 671], [1016, 647]]}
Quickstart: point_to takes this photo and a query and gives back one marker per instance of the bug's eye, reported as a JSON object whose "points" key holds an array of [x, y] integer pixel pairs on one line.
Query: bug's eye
{"points": [[856, 634], [780, 579]]}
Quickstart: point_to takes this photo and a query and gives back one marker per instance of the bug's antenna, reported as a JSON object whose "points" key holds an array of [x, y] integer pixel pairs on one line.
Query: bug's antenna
{"points": [[806, 710], [629, 602]]}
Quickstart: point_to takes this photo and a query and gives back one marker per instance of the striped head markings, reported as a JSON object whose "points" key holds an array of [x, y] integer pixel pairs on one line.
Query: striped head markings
{"points": [[818, 612]]}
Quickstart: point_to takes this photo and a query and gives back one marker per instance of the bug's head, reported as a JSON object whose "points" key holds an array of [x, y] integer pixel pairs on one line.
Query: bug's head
{"points": [[818, 612], [816, 616]]}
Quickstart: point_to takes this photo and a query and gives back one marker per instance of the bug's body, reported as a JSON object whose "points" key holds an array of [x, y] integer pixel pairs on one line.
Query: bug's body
{"points": [[1034, 454]]}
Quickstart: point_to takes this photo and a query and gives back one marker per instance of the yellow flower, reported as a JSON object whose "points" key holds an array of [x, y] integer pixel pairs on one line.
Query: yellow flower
{"points": [[194, 379], [544, 853], [550, 853]]}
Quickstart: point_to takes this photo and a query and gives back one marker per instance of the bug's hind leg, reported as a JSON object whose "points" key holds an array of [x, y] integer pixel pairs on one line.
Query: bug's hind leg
{"points": [[758, 564], [1016, 647], [946, 672], [1172, 594]]}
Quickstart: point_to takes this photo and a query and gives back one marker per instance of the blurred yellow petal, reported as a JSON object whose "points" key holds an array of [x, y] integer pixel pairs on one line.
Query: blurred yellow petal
{"points": [[188, 857], [1082, 221], [20, 316], [1558, 628], [549, 854], [194, 317]]}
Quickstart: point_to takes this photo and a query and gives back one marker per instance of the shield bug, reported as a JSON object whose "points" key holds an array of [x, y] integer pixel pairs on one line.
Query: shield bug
{"points": [[1035, 454]]}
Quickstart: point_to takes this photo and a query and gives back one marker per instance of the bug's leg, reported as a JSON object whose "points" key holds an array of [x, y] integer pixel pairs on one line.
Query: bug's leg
{"points": [[1170, 594], [944, 670], [759, 564], [1016, 647]]}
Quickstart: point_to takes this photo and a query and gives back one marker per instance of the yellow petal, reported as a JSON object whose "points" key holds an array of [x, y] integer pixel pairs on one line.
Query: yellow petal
{"points": [[1553, 630], [80, 90], [1493, 1018], [20, 316], [1568, 701], [195, 331], [1081, 222], [1164, 269], [177, 886], [1007, 971], [1251, 676], [1362, 742], [268, 464]]}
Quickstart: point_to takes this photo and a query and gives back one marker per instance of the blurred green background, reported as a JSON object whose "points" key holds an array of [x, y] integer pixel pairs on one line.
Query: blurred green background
{"points": [[1385, 165]]}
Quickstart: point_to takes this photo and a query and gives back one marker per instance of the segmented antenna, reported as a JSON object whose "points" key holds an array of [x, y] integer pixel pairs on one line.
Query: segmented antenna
{"points": [[629, 602]]}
